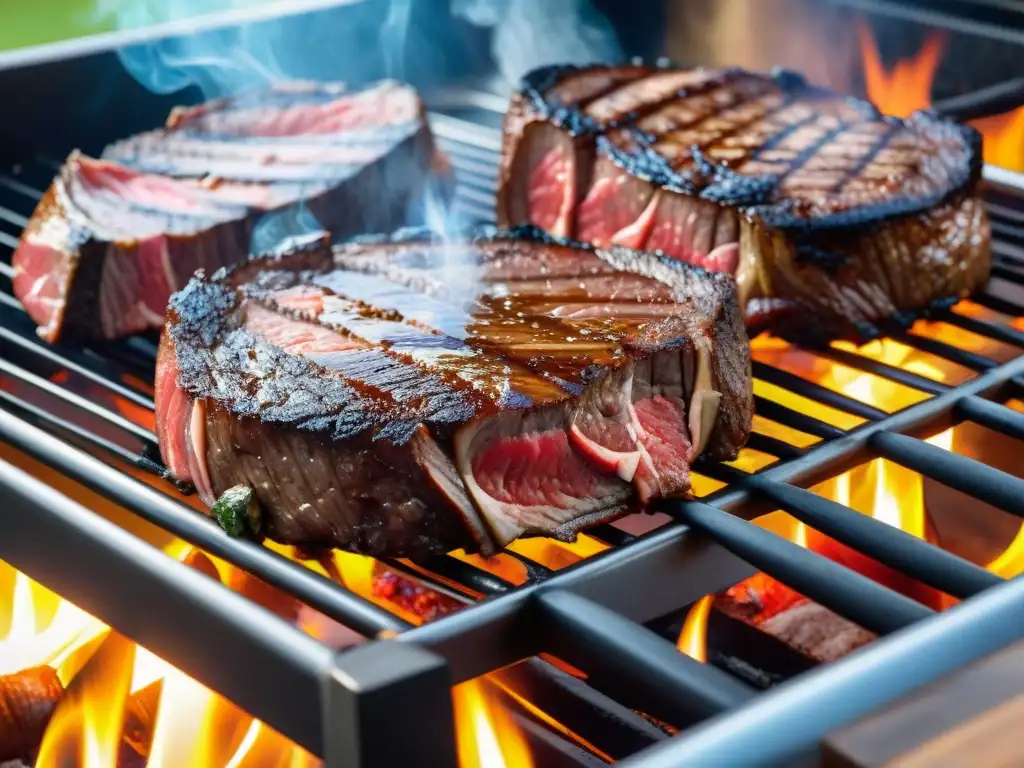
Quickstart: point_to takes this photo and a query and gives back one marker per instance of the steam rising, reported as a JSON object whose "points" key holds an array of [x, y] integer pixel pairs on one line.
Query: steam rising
{"points": [[533, 33], [356, 43]]}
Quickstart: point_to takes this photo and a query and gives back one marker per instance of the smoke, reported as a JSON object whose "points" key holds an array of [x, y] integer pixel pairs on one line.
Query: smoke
{"points": [[424, 42], [531, 33]]}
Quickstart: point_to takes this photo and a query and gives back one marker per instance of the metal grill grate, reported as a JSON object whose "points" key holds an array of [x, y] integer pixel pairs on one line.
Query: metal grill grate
{"points": [[86, 413]]}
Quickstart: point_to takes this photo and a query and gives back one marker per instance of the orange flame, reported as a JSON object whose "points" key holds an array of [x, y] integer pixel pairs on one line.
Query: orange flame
{"points": [[907, 87], [486, 734], [86, 726], [193, 727], [693, 638], [879, 488]]}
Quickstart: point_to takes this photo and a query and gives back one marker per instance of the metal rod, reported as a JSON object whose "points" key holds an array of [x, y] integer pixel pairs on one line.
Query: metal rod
{"points": [[769, 409], [1008, 273], [931, 565], [631, 663], [53, 422], [78, 401], [773, 446], [674, 555], [199, 626], [846, 592], [75, 362], [883, 370], [996, 417], [468, 575], [948, 352], [813, 391], [993, 486], [999, 304], [1002, 333], [611, 727], [984, 102], [325, 596], [778, 728]]}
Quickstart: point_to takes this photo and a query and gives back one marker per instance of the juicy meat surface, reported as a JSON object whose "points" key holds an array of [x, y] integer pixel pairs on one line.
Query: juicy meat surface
{"points": [[113, 238], [819, 205], [407, 397]]}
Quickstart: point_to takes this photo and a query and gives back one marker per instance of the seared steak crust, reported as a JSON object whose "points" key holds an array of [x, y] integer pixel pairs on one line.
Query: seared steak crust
{"points": [[788, 186], [405, 397]]}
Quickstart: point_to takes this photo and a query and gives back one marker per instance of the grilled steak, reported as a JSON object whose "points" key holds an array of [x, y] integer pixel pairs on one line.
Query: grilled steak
{"points": [[406, 397], [821, 207], [112, 239]]}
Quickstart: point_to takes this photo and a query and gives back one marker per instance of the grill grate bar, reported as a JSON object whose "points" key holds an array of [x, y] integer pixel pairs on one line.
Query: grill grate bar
{"points": [[895, 548], [476, 579], [992, 415], [1001, 333], [14, 218], [855, 597], [816, 392], [962, 357], [11, 242], [633, 664], [318, 592], [21, 188], [773, 446], [52, 422], [883, 370], [1010, 273], [74, 361], [721, 472], [988, 484], [999, 304], [769, 409], [45, 385]]}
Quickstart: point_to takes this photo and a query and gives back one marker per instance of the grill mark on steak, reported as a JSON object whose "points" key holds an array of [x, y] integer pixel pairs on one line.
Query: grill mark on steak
{"points": [[634, 100], [785, 184], [349, 441]]}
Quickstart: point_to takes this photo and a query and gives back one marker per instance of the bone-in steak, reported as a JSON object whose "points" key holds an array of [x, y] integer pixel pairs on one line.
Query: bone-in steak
{"points": [[410, 396], [822, 208], [113, 238]]}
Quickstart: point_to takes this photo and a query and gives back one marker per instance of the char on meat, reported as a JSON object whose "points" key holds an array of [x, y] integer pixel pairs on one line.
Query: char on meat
{"points": [[824, 210], [112, 239], [408, 396]]}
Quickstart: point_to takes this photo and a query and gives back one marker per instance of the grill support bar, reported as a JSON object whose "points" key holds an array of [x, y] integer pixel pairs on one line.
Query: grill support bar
{"points": [[776, 729], [199, 626]]}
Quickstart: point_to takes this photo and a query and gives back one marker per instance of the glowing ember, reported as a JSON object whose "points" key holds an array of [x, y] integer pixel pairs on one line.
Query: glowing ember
{"points": [[907, 87]]}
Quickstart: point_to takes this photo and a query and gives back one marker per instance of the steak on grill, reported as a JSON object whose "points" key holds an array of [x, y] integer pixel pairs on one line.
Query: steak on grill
{"points": [[409, 396], [821, 207], [112, 239]]}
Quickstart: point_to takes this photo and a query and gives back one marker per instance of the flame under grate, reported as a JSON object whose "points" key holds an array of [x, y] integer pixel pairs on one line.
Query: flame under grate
{"points": [[87, 415]]}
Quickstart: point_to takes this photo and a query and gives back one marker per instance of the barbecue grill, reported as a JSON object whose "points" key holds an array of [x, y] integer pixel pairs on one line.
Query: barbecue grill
{"points": [[82, 414]]}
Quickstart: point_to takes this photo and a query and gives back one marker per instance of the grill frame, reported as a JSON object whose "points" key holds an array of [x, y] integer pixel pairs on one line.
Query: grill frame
{"points": [[591, 612]]}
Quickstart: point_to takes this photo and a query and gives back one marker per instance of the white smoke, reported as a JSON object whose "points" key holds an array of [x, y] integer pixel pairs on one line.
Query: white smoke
{"points": [[532, 33]]}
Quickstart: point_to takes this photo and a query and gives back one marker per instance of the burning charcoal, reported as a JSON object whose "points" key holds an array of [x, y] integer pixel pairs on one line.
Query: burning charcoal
{"points": [[817, 632], [27, 700], [412, 597]]}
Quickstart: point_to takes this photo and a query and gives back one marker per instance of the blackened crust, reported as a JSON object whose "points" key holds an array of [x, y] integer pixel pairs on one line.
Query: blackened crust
{"points": [[759, 195]]}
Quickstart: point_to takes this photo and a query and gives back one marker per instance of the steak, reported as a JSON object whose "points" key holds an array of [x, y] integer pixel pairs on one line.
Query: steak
{"points": [[819, 205], [409, 396], [112, 239]]}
